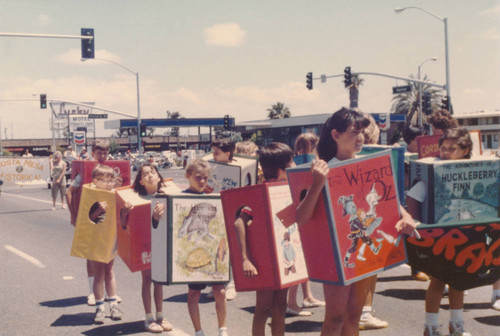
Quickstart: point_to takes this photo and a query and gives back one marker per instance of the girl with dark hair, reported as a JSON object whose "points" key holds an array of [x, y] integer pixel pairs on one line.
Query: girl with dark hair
{"points": [[341, 138], [147, 183]]}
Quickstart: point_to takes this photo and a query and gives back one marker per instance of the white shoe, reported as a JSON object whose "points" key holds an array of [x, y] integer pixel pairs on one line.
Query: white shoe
{"points": [[223, 331], [91, 299], [457, 329], [230, 292], [495, 302]]}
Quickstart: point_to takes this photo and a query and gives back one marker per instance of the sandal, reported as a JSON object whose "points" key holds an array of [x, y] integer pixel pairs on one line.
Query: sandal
{"points": [[152, 326], [165, 325]]}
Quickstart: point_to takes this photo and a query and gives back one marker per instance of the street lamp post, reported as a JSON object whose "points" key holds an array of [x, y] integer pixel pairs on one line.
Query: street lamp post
{"points": [[420, 90], [138, 98], [445, 21]]}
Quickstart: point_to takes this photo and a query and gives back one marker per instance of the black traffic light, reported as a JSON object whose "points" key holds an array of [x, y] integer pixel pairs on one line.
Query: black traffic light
{"points": [[445, 103], [347, 77], [309, 80], [43, 101], [426, 103], [226, 122], [144, 127], [88, 44]]}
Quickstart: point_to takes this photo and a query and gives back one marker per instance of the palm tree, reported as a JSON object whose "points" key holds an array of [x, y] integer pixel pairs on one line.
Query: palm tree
{"points": [[174, 131], [354, 90], [278, 111], [408, 103]]}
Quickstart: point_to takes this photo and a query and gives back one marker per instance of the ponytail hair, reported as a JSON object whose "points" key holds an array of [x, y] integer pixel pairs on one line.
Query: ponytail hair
{"points": [[339, 121]]}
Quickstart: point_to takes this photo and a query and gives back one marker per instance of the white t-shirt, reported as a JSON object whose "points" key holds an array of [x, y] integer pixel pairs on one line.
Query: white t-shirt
{"points": [[418, 192]]}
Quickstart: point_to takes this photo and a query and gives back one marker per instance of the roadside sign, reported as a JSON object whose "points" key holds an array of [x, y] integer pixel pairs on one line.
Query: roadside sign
{"points": [[98, 116], [401, 89], [79, 137]]}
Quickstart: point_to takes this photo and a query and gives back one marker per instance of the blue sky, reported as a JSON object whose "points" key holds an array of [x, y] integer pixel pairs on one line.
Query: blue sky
{"points": [[211, 58]]}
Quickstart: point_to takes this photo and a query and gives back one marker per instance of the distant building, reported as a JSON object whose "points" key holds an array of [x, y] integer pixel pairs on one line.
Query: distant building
{"points": [[487, 122]]}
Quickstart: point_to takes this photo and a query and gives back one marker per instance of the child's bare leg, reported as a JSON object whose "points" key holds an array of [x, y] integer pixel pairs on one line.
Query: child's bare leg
{"points": [[264, 300], [158, 295], [456, 298], [278, 311], [220, 304], [292, 298], [146, 290], [357, 297], [336, 298], [193, 308], [98, 269], [110, 280], [433, 295]]}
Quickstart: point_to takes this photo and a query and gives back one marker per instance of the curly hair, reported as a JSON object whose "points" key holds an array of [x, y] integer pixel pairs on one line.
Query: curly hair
{"points": [[442, 119], [461, 136]]}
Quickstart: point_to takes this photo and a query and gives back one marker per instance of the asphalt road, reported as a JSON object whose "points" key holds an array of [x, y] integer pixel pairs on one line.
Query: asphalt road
{"points": [[43, 289]]}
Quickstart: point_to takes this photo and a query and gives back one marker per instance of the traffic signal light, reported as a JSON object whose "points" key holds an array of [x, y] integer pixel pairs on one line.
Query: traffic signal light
{"points": [[309, 80], [445, 103], [88, 44], [43, 101], [426, 103], [347, 76], [144, 127], [226, 122]]}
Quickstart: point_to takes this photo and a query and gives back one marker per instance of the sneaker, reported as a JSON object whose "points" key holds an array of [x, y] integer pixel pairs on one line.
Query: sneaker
{"points": [[152, 326], [312, 303], [230, 292], [199, 333], [371, 322], [116, 313], [432, 331], [99, 316], [91, 299], [495, 302], [223, 331], [457, 329]]}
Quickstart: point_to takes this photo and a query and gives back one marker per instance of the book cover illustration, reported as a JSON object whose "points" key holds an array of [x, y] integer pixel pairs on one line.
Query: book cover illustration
{"points": [[200, 252]]}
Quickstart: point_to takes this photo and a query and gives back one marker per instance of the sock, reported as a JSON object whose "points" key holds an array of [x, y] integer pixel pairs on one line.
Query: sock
{"points": [[91, 284], [112, 302], [149, 316], [199, 333], [431, 319], [159, 316], [496, 293], [99, 305], [367, 310], [222, 329], [456, 315]]}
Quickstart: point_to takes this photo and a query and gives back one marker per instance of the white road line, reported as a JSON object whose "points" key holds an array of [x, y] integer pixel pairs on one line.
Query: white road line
{"points": [[29, 198], [25, 256]]}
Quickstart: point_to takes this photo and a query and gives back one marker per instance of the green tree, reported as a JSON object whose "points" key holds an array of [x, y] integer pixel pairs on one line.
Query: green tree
{"points": [[354, 90], [114, 147], [478, 190], [408, 103], [174, 131], [278, 111]]}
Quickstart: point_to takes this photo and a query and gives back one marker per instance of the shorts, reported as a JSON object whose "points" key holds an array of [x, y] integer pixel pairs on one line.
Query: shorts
{"points": [[197, 286], [58, 187]]}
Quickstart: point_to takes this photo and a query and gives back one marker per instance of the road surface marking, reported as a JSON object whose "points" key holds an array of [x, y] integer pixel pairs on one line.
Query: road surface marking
{"points": [[25, 256], [68, 277], [29, 198]]}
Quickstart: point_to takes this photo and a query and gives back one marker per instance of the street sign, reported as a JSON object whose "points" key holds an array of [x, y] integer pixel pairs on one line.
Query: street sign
{"points": [[98, 116], [401, 89], [81, 129]]}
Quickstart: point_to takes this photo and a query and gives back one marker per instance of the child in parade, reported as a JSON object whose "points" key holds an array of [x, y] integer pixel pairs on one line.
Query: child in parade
{"points": [[58, 175], [274, 159], [100, 150], [148, 182], [341, 138], [454, 144], [223, 151], [197, 172], [304, 144], [103, 178]]}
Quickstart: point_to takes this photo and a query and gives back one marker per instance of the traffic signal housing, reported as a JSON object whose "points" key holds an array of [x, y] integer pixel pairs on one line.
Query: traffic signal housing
{"points": [[426, 103], [445, 103], [309, 80], [226, 122], [87, 44], [347, 77], [43, 101], [143, 129]]}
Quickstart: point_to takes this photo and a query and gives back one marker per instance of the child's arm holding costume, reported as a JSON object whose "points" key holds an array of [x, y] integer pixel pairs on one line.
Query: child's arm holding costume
{"points": [[248, 267], [305, 210]]}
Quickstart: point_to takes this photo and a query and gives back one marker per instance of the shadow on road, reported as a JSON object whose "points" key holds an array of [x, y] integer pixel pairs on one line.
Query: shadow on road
{"points": [[303, 326], [62, 303], [493, 320], [73, 320], [405, 294], [128, 328]]}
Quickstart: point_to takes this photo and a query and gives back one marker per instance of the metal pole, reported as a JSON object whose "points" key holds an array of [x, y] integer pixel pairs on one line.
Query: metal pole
{"points": [[445, 20], [138, 116], [419, 99]]}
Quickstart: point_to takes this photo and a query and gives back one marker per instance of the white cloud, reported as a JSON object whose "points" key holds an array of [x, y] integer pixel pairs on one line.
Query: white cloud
{"points": [[225, 34], [492, 10], [490, 35]]}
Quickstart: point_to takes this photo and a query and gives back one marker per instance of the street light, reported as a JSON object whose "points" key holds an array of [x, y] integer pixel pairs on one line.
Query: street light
{"points": [[138, 99], [445, 21], [420, 89]]}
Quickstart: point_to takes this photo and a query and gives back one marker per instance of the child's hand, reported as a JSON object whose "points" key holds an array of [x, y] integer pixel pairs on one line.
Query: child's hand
{"points": [[158, 211], [126, 208], [406, 225], [249, 269], [319, 170], [98, 211]]}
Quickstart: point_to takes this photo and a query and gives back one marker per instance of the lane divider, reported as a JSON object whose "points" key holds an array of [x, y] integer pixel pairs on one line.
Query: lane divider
{"points": [[25, 256]]}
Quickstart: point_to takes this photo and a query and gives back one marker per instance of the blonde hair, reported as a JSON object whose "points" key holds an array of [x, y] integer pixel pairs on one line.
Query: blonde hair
{"points": [[305, 144], [102, 171], [371, 132], [246, 148], [197, 164]]}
